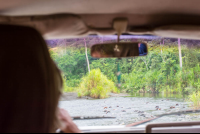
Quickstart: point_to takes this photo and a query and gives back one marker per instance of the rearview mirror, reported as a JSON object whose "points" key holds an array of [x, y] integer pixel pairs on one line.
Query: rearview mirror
{"points": [[119, 50]]}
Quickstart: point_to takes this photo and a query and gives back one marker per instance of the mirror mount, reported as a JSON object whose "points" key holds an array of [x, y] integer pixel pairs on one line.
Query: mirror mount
{"points": [[120, 25]]}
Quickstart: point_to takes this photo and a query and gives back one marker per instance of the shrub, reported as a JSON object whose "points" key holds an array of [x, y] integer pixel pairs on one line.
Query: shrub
{"points": [[195, 99], [96, 85]]}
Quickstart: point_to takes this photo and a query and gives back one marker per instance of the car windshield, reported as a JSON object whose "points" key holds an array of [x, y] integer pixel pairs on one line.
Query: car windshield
{"points": [[128, 90]]}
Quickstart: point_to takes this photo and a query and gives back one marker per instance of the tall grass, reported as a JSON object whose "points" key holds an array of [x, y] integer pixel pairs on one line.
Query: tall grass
{"points": [[96, 85], [195, 99]]}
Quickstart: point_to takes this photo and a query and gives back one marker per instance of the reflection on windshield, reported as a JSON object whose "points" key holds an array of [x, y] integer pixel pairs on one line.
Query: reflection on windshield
{"points": [[149, 85]]}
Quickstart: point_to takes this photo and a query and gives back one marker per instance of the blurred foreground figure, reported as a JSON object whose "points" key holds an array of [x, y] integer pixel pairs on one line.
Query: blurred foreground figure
{"points": [[142, 49], [30, 84]]}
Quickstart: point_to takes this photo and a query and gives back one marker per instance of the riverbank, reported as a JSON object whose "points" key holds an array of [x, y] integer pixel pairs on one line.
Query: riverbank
{"points": [[74, 96], [127, 110]]}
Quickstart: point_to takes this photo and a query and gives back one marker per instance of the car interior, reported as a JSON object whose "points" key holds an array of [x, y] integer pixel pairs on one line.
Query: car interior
{"points": [[69, 19]]}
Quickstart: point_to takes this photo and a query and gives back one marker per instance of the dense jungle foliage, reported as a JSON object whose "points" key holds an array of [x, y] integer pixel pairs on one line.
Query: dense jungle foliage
{"points": [[159, 71]]}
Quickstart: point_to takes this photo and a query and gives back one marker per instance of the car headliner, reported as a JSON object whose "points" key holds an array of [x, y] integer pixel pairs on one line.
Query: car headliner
{"points": [[169, 18]]}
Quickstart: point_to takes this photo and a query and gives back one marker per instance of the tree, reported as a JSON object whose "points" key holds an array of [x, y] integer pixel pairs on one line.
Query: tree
{"points": [[180, 55], [87, 56]]}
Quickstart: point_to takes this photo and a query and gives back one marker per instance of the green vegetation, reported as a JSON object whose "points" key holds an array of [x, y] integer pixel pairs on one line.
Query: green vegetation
{"points": [[195, 99], [159, 71], [65, 87], [96, 85]]}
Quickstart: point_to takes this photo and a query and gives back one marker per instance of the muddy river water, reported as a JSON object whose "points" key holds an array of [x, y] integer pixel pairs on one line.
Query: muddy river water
{"points": [[129, 109]]}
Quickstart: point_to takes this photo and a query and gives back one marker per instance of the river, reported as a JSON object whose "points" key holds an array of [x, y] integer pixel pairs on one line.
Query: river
{"points": [[129, 109]]}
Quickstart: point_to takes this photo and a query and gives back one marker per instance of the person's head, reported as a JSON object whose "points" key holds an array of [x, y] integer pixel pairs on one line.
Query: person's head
{"points": [[96, 54], [102, 51], [30, 82]]}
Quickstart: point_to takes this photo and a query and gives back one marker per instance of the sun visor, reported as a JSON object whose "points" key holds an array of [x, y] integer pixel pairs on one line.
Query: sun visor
{"points": [[178, 31], [51, 26], [102, 31], [171, 31], [140, 31], [70, 26]]}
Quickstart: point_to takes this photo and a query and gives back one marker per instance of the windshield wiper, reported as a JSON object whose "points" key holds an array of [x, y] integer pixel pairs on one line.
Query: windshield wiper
{"points": [[91, 117], [159, 116]]}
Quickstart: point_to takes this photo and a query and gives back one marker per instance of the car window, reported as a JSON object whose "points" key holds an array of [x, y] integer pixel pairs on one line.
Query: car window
{"points": [[128, 90]]}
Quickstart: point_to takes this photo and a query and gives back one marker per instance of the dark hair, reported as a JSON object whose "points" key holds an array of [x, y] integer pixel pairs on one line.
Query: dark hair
{"points": [[30, 83]]}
